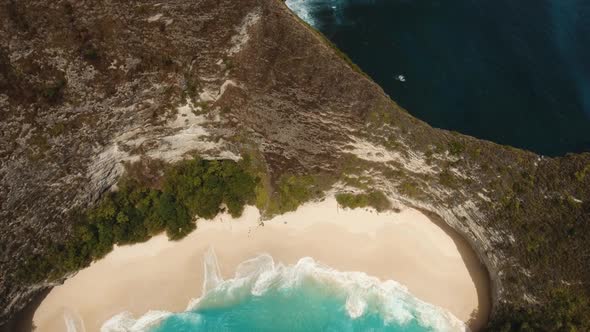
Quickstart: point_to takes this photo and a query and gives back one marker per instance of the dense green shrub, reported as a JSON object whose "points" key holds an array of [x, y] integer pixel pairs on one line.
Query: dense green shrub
{"points": [[54, 92], [292, 191], [138, 210], [447, 178], [374, 199], [581, 175], [566, 310], [456, 148]]}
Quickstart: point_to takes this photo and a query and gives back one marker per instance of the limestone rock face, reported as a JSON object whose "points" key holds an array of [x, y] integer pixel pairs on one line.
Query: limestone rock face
{"points": [[88, 85]]}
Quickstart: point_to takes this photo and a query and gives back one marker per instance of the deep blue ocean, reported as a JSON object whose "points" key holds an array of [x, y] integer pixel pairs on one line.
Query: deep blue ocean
{"points": [[513, 72], [265, 295]]}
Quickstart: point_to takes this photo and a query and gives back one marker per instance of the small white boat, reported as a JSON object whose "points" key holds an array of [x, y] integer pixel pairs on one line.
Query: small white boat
{"points": [[400, 78]]}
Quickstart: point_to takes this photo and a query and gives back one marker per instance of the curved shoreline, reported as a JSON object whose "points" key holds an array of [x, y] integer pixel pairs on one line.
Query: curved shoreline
{"points": [[463, 235], [407, 247], [493, 286], [487, 295]]}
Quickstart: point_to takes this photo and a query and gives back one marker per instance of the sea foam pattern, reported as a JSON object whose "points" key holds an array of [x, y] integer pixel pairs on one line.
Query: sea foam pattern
{"points": [[305, 9], [307, 296], [302, 8]]}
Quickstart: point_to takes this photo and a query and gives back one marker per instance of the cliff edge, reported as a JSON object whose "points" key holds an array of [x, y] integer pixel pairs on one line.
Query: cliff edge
{"points": [[88, 85]]}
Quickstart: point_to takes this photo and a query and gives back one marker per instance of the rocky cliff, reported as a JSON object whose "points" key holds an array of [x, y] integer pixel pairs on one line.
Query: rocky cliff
{"points": [[88, 85]]}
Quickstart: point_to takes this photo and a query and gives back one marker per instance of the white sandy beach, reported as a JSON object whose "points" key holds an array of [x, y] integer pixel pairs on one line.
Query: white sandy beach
{"points": [[408, 247]]}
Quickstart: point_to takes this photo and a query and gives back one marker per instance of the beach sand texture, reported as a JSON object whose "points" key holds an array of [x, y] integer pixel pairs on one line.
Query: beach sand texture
{"points": [[433, 262]]}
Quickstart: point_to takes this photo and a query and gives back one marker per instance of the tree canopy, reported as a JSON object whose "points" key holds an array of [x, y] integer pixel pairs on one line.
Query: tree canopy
{"points": [[138, 210]]}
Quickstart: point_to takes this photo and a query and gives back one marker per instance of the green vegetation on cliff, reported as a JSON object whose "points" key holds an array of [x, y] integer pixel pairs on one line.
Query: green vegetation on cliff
{"points": [[140, 209], [374, 199], [564, 311], [292, 191]]}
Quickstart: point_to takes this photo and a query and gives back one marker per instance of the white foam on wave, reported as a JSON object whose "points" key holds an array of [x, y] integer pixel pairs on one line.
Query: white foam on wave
{"points": [[311, 10], [212, 272], [362, 293], [125, 322], [304, 9], [73, 321]]}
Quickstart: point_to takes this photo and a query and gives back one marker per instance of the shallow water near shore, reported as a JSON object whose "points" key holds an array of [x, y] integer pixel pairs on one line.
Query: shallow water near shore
{"points": [[513, 72], [306, 296]]}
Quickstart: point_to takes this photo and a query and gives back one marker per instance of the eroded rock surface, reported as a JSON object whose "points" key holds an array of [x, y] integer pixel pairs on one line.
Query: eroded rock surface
{"points": [[87, 85]]}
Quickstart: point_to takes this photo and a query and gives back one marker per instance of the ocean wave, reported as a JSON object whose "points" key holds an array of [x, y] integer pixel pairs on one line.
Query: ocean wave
{"points": [[301, 8], [305, 9], [361, 293], [125, 322], [73, 321]]}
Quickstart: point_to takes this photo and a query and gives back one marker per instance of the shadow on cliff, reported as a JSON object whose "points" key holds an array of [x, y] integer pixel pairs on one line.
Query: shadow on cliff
{"points": [[480, 316], [23, 321]]}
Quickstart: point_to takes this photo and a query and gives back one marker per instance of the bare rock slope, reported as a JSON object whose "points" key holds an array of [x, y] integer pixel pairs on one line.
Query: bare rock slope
{"points": [[87, 85]]}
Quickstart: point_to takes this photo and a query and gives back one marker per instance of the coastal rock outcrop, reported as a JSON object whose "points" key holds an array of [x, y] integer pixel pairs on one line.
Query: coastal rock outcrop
{"points": [[87, 85]]}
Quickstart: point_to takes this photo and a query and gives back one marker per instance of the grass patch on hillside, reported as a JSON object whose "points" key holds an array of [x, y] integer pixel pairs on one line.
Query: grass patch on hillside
{"points": [[292, 191], [137, 211], [448, 179], [374, 199], [360, 182], [456, 148], [54, 92], [581, 175], [565, 310], [410, 189]]}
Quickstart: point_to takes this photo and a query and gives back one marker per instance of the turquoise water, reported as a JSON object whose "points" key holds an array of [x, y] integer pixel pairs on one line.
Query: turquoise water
{"points": [[307, 296], [303, 308]]}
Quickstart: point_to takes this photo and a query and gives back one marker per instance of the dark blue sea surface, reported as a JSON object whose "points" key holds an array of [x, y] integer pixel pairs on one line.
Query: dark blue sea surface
{"points": [[515, 72]]}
